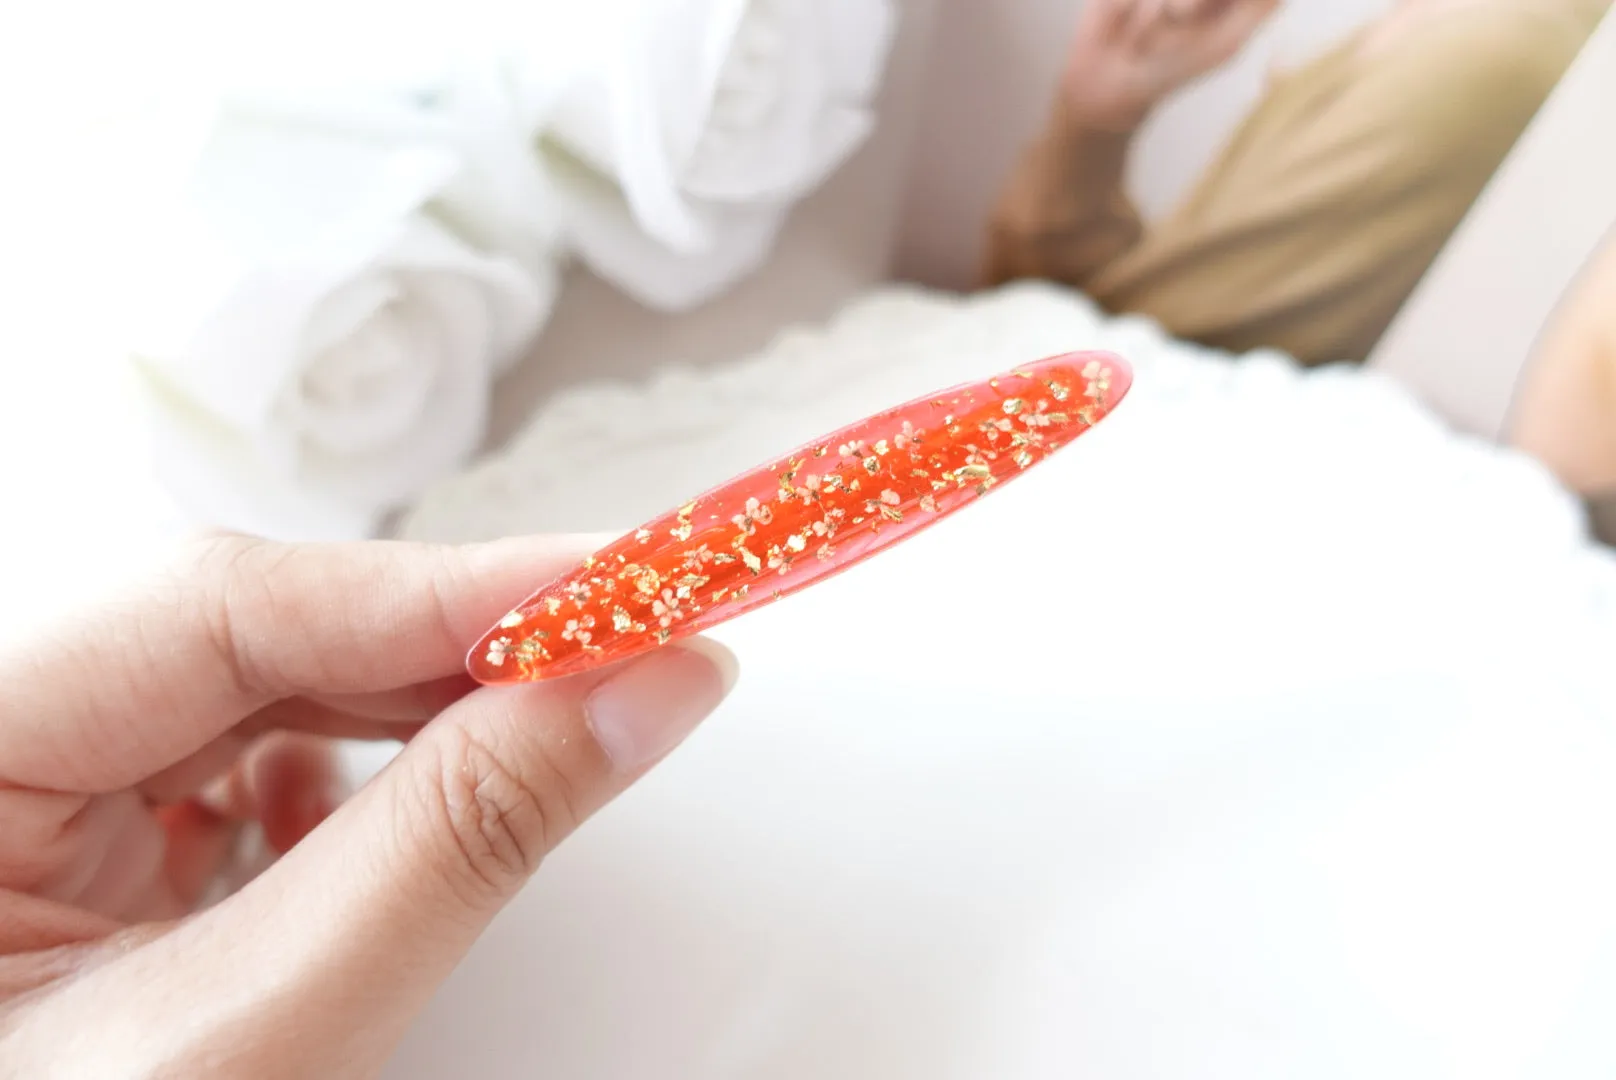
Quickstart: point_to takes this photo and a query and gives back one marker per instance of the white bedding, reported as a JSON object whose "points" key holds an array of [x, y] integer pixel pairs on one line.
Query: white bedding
{"points": [[1268, 732]]}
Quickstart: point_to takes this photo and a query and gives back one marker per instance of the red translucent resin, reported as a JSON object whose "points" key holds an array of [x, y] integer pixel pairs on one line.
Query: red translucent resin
{"points": [[812, 513]]}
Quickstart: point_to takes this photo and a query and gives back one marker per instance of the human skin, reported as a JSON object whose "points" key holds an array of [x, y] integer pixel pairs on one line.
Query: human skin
{"points": [[1128, 56], [136, 739], [1565, 410]]}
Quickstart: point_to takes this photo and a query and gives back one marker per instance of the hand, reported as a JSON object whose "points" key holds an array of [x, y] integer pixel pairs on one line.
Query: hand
{"points": [[136, 739], [1128, 55]]}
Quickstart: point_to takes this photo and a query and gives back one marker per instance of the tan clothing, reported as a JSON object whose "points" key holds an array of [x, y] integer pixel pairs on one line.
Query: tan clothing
{"points": [[1326, 207]]}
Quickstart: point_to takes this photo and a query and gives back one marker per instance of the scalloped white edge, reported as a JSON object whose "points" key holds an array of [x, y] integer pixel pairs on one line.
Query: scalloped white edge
{"points": [[607, 455], [682, 430]]}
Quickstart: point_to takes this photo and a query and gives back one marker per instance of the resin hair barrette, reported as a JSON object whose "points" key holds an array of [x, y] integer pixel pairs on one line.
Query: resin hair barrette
{"points": [[800, 519]]}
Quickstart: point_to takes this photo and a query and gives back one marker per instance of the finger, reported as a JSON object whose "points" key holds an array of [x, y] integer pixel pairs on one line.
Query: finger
{"points": [[32, 924], [184, 779], [1239, 24], [1110, 17], [298, 784], [101, 854], [1244, 15], [145, 681], [416, 703], [1145, 16], [199, 843], [288, 782], [313, 718], [409, 871]]}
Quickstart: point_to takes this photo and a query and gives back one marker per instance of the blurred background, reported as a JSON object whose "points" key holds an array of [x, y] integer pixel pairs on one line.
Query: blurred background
{"points": [[994, 62], [663, 185]]}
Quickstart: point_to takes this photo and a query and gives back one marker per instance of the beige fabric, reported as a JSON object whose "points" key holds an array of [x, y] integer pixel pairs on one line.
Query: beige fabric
{"points": [[1327, 205], [1466, 337]]}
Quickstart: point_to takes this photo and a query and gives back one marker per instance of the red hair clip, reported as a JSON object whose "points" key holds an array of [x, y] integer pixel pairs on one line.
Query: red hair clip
{"points": [[800, 519]]}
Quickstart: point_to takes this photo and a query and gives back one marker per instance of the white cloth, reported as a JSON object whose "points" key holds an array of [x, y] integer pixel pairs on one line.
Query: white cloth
{"points": [[1266, 732], [703, 122]]}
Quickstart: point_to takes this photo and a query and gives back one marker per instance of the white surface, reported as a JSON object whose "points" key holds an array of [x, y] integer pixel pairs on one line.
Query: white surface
{"points": [[1468, 331], [82, 510], [1234, 742], [711, 118]]}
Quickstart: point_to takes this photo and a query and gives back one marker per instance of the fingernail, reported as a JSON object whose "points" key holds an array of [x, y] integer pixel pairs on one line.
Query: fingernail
{"points": [[800, 519], [496, 555], [643, 711]]}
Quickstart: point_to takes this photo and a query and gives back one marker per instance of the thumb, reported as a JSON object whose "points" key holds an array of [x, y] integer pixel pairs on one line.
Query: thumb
{"points": [[344, 940], [469, 808]]}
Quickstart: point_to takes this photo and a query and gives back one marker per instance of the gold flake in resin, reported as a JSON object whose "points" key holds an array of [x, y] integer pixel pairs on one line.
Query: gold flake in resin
{"points": [[658, 589]]}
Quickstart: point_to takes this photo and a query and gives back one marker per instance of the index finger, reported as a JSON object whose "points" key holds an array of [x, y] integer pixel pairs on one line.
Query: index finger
{"points": [[146, 679]]}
